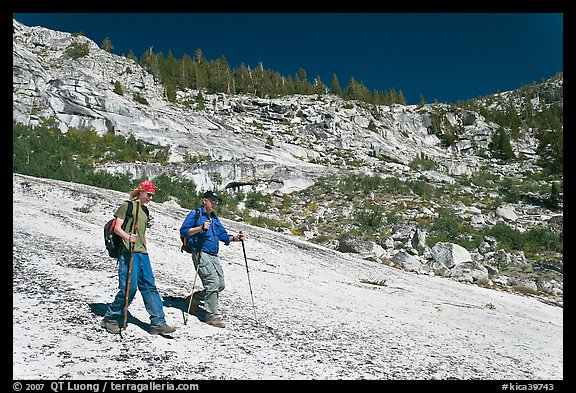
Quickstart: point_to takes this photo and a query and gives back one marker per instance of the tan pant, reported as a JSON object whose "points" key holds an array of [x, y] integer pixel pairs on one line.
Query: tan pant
{"points": [[212, 277]]}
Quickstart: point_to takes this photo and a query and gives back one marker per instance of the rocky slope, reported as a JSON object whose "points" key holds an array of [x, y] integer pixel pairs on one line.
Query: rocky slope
{"points": [[279, 144], [320, 314], [283, 146]]}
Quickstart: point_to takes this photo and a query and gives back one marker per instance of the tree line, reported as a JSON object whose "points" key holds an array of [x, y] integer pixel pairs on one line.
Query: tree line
{"points": [[216, 76], [519, 114]]}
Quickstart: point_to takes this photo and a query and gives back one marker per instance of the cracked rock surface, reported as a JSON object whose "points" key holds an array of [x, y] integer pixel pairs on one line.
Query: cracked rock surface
{"points": [[320, 314]]}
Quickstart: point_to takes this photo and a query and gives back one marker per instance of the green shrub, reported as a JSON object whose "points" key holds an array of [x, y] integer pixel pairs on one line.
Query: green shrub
{"points": [[508, 238], [370, 217], [423, 162], [265, 222], [422, 188], [320, 239], [77, 49], [533, 242], [45, 151], [256, 200], [395, 186], [542, 240], [448, 227], [138, 98], [118, 88], [183, 190]]}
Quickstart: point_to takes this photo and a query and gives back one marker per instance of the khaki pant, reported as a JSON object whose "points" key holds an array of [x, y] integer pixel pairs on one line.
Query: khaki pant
{"points": [[212, 277]]}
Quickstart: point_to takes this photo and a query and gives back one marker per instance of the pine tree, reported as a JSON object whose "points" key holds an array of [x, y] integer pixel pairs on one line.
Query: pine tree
{"points": [[402, 99], [279, 84], [242, 79], [336, 89], [118, 88], [363, 94], [170, 90], [107, 44], [218, 74], [554, 198], [149, 62], [301, 82], [501, 145], [351, 91], [169, 72], [200, 70], [262, 82], [185, 75], [319, 87], [159, 66], [132, 56], [200, 100], [422, 101]]}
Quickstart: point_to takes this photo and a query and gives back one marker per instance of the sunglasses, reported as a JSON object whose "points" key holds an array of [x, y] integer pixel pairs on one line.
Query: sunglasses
{"points": [[150, 195]]}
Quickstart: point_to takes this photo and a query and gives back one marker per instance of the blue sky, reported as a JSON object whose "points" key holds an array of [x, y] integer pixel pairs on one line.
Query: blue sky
{"points": [[447, 56]]}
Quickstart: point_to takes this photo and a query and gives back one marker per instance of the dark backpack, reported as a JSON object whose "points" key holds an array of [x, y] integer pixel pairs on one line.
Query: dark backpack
{"points": [[112, 241], [185, 243]]}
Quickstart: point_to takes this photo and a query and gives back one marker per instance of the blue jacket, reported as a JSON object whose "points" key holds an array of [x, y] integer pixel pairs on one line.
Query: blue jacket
{"points": [[214, 234]]}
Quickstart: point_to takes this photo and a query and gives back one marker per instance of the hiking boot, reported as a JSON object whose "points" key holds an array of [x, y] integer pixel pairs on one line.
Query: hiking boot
{"points": [[111, 326], [162, 329], [215, 321]]}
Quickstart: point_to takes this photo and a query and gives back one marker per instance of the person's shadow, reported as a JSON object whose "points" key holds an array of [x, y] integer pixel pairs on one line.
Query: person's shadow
{"points": [[182, 304], [100, 309]]}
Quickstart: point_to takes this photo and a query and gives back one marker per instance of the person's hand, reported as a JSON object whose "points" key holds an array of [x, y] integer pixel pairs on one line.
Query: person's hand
{"points": [[132, 238], [206, 225], [241, 236]]}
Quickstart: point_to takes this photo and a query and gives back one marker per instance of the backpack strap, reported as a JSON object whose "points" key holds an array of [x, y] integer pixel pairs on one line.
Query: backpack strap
{"points": [[130, 215], [185, 243], [127, 216], [125, 223], [196, 217], [195, 221]]}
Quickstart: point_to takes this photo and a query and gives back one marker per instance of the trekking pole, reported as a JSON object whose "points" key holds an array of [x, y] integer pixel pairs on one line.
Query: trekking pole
{"points": [[132, 245], [249, 284], [195, 275], [192, 293]]}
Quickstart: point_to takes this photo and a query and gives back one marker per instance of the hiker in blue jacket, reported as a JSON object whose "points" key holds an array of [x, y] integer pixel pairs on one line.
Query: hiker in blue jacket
{"points": [[204, 233]]}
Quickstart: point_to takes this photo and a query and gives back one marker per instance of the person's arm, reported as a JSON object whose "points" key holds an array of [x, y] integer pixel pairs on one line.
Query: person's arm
{"points": [[131, 237], [194, 230], [119, 214], [225, 237], [187, 229]]}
